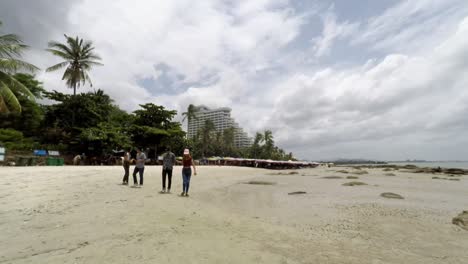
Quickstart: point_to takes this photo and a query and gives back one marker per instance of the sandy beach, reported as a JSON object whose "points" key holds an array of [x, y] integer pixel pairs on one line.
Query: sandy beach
{"points": [[83, 215]]}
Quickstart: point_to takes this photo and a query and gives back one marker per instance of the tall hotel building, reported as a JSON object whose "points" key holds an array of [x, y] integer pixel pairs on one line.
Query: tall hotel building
{"points": [[221, 118]]}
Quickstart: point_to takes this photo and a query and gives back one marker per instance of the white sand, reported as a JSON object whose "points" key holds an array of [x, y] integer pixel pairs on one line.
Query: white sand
{"points": [[82, 215]]}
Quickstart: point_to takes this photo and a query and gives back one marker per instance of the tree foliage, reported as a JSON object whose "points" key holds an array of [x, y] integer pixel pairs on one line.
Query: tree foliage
{"points": [[31, 116], [78, 59], [90, 122], [11, 50]]}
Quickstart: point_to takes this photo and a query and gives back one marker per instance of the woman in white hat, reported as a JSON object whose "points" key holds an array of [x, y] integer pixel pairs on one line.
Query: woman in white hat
{"points": [[187, 162]]}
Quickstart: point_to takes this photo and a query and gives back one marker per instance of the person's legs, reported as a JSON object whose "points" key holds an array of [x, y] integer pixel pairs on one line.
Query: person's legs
{"points": [[186, 175], [188, 184], [184, 181], [169, 177], [164, 171], [135, 181], [142, 170], [127, 173]]}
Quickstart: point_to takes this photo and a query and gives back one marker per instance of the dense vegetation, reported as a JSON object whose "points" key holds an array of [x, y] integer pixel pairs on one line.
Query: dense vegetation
{"points": [[90, 122]]}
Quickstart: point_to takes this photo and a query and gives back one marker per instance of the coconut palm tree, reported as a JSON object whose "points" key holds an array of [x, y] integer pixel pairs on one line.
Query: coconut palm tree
{"points": [[190, 114], [206, 133], [11, 48], [79, 57], [268, 147]]}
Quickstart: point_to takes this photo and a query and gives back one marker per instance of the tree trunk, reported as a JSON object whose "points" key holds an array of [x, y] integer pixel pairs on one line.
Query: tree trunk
{"points": [[73, 110]]}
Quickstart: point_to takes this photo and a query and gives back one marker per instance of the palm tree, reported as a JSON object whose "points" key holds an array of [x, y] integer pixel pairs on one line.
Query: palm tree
{"points": [[269, 144], [190, 114], [268, 138], [255, 149], [12, 47], [79, 58], [206, 135]]}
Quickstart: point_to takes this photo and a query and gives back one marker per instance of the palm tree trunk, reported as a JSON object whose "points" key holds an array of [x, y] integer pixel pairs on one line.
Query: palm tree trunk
{"points": [[73, 110]]}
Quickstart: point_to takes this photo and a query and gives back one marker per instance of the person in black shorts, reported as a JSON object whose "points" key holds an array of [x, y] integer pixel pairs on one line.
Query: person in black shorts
{"points": [[169, 160]]}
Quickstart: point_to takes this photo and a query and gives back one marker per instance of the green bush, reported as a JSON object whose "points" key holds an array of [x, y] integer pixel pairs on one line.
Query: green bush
{"points": [[14, 140]]}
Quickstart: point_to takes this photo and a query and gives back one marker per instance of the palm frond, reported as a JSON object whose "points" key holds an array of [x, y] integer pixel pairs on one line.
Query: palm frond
{"points": [[15, 85], [88, 63], [11, 50], [3, 106], [13, 65], [61, 54], [9, 101], [10, 39], [57, 66], [60, 47]]}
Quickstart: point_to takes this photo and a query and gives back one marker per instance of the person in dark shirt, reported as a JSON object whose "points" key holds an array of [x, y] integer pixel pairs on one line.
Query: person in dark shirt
{"points": [[169, 160]]}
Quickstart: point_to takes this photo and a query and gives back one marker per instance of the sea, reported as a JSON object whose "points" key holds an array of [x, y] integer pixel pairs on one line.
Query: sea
{"points": [[435, 164]]}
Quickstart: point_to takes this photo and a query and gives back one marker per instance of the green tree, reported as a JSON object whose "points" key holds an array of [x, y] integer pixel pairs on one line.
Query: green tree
{"points": [[228, 142], [89, 110], [14, 140], [205, 136], [190, 114], [268, 147], [11, 49], [153, 126], [30, 118], [255, 149], [104, 138], [79, 58]]}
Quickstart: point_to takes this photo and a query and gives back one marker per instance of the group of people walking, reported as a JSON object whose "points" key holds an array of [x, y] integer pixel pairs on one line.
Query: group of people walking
{"points": [[169, 160]]}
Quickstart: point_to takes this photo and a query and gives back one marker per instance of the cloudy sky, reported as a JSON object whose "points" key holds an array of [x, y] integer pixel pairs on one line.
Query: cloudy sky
{"points": [[384, 79]]}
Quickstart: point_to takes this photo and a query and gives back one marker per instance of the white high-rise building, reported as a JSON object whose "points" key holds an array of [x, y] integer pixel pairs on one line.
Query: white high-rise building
{"points": [[221, 118]]}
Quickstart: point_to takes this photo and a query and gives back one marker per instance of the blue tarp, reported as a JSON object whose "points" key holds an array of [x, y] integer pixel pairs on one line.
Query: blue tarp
{"points": [[40, 152]]}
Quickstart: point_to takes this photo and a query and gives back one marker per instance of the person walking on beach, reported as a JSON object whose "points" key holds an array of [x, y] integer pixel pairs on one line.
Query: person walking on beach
{"points": [[126, 166], [187, 162], [169, 160], [139, 167]]}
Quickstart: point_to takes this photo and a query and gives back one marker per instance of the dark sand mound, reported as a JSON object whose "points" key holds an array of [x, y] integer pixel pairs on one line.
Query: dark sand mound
{"points": [[461, 220], [298, 192], [387, 169], [361, 172], [354, 183], [342, 171], [448, 179], [261, 183], [352, 177], [391, 195], [332, 177], [455, 171], [389, 174], [285, 173]]}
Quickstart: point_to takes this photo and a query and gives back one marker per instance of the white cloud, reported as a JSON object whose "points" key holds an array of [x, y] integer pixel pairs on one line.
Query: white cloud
{"points": [[332, 31], [412, 25], [196, 39], [406, 100], [402, 97]]}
